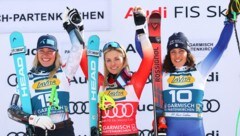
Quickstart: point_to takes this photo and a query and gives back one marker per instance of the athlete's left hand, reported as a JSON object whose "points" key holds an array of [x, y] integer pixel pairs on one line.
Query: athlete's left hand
{"points": [[139, 19], [72, 17]]}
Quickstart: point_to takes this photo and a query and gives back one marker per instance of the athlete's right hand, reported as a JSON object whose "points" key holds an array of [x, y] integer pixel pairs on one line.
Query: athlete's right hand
{"points": [[161, 125], [72, 17], [43, 122]]}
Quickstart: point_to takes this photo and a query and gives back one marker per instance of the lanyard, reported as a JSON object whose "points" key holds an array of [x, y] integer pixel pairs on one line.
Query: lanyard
{"points": [[53, 100]]}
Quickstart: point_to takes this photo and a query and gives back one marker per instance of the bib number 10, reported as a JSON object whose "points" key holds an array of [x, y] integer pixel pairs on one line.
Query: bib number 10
{"points": [[181, 95]]}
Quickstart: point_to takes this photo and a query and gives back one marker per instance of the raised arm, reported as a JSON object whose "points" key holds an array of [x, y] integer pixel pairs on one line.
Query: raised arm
{"points": [[74, 26], [139, 78], [207, 65]]}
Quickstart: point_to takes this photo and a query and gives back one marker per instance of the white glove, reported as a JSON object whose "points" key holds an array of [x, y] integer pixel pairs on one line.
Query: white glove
{"points": [[43, 122], [65, 15]]}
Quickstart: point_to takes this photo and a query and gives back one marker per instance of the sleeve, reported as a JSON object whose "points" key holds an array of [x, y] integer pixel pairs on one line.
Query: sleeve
{"points": [[139, 78], [15, 112], [72, 63], [207, 65]]}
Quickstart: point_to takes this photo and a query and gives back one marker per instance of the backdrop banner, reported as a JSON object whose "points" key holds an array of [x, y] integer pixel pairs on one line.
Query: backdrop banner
{"points": [[200, 20]]}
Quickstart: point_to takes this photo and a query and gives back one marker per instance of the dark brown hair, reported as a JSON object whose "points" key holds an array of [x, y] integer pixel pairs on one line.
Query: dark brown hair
{"points": [[169, 67]]}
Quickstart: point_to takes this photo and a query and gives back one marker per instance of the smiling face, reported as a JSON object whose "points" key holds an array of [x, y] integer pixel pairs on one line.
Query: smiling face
{"points": [[114, 61], [178, 57], [46, 56]]}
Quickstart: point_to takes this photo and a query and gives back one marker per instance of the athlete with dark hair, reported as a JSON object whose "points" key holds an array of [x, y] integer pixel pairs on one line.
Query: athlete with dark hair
{"points": [[184, 80]]}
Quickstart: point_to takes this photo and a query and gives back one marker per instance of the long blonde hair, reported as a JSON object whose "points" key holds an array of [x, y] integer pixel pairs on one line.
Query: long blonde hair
{"points": [[57, 62], [125, 61]]}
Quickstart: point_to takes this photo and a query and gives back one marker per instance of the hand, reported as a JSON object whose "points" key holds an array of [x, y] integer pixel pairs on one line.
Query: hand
{"points": [[139, 19], [162, 123], [43, 122], [233, 10], [72, 19], [139, 16], [161, 126]]}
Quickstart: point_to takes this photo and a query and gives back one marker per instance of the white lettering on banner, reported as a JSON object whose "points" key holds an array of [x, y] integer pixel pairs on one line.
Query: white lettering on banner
{"points": [[118, 127], [183, 114], [120, 111], [180, 107], [96, 16], [22, 78], [93, 84]]}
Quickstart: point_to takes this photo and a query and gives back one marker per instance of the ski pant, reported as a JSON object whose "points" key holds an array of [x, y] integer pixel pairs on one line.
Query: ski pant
{"points": [[184, 127]]}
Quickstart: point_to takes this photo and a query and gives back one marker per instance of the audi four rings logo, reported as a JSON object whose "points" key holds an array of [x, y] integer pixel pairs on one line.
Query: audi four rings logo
{"points": [[78, 107], [120, 111], [211, 105], [16, 134]]}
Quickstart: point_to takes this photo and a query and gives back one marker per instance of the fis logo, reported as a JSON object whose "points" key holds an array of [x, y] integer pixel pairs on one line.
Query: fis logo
{"points": [[195, 11]]}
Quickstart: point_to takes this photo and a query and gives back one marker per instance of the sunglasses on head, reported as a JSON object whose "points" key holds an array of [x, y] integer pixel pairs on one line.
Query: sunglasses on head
{"points": [[111, 44]]}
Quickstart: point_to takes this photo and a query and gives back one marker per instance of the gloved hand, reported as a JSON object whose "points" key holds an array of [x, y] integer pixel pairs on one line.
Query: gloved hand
{"points": [[139, 20], [161, 126], [162, 123], [72, 19], [233, 10], [43, 122]]}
